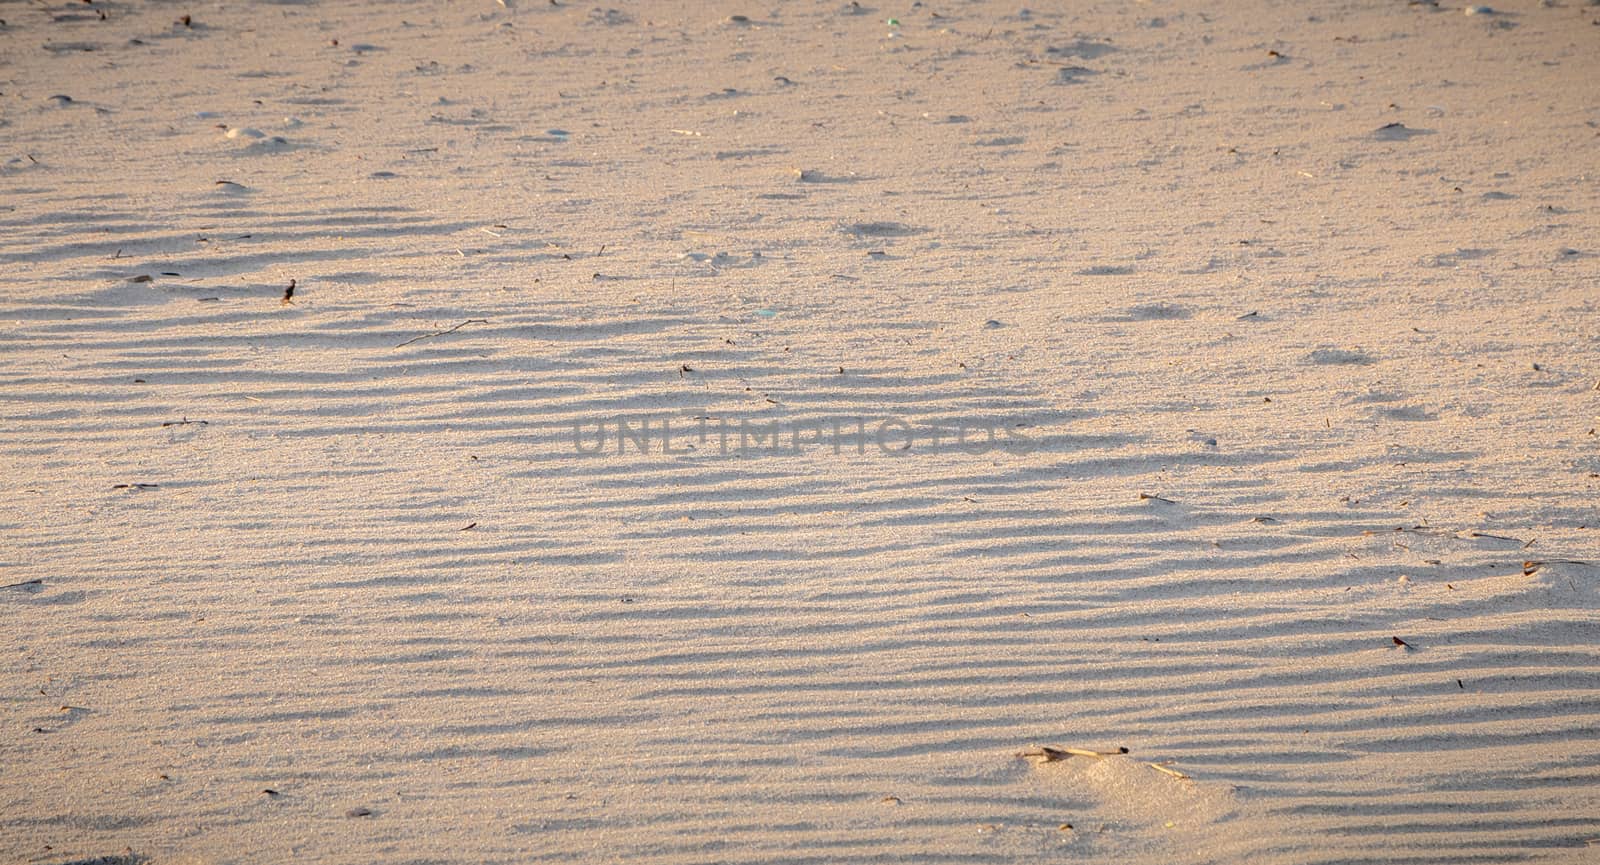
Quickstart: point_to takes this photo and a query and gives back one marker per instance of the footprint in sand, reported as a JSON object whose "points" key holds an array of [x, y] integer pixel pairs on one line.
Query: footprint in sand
{"points": [[1339, 357], [1135, 806]]}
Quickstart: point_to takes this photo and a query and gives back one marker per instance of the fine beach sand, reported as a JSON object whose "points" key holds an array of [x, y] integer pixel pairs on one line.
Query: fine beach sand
{"points": [[1285, 316]]}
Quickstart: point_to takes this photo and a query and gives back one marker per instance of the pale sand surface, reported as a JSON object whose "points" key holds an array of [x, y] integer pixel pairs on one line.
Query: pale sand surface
{"points": [[1061, 218]]}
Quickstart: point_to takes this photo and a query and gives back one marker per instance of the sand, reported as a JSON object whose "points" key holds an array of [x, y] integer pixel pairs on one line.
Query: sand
{"points": [[1282, 317]]}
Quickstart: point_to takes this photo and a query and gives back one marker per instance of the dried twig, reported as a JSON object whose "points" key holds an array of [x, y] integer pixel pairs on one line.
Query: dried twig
{"points": [[1530, 566], [1173, 772], [1048, 754], [185, 422], [1145, 496], [443, 332]]}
